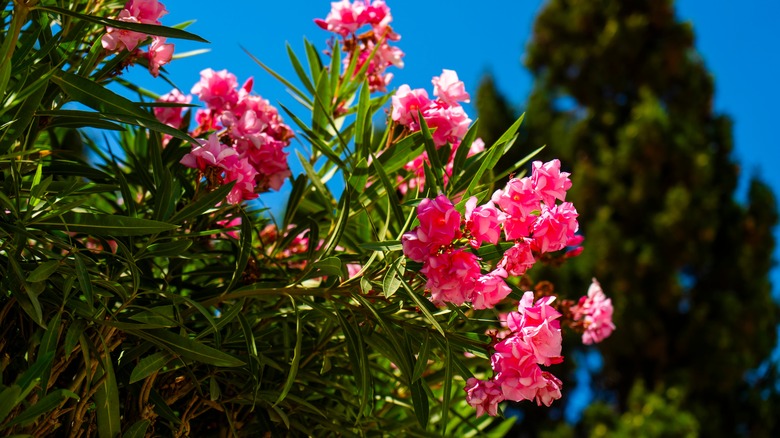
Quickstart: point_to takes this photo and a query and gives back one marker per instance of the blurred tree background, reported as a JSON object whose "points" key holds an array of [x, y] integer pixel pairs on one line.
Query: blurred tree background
{"points": [[623, 99]]}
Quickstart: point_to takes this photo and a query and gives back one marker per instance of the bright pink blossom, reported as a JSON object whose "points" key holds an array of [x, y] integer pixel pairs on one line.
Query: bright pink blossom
{"points": [[439, 221], [490, 289], [451, 276], [244, 176], [549, 182], [407, 102], [595, 311], [482, 222], [448, 123], [518, 259], [159, 54], [555, 227], [484, 396], [519, 376], [518, 198], [449, 88], [217, 89]]}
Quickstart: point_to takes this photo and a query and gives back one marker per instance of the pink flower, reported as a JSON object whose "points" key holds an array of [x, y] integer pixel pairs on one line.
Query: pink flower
{"points": [[406, 103], [172, 116], [484, 396], [146, 11], [344, 17], [482, 222], [439, 221], [449, 88], [449, 123], [451, 276], [217, 89], [518, 259], [549, 182], [415, 248], [244, 175], [595, 310], [135, 11], [538, 326], [518, 375], [550, 392], [117, 39], [159, 54], [210, 153], [490, 289], [518, 198], [554, 227]]}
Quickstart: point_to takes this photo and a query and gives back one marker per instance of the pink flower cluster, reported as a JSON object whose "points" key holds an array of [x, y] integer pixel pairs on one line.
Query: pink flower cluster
{"points": [[144, 12], [443, 115], [250, 147], [346, 19], [525, 213], [454, 275], [594, 311], [535, 340]]}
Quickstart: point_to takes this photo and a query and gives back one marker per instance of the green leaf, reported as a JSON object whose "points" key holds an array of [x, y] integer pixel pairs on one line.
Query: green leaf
{"points": [[174, 248], [281, 79], [107, 400], [421, 364], [420, 402], [150, 29], [43, 271], [244, 249], [46, 404], [202, 204], [137, 430], [296, 355], [111, 105], [104, 224], [149, 365], [392, 279], [387, 245], [84, 279], [8, 400], [298, 67], [189, 349]]}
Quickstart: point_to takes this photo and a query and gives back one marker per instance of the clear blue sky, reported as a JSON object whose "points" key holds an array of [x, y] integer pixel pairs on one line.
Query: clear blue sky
{"points": [[737, 43]]}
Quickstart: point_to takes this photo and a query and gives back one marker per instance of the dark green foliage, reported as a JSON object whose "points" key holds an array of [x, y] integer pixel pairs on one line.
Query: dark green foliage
{"points": [[622, 98]]}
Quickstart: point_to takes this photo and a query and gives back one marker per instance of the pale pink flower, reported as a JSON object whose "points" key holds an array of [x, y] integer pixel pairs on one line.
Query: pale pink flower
{"points": [[482, 222], [217, 89], [476, 147], [451, 276], [554, 227], [159, 54], [210, 153], [595, 311], [449, 88], [518, 259], [172, 116], [550, 392], [549, 182], [116, 39], [407, 102], [484, 396], [146, 11], [490, 289], [344, 17]]}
